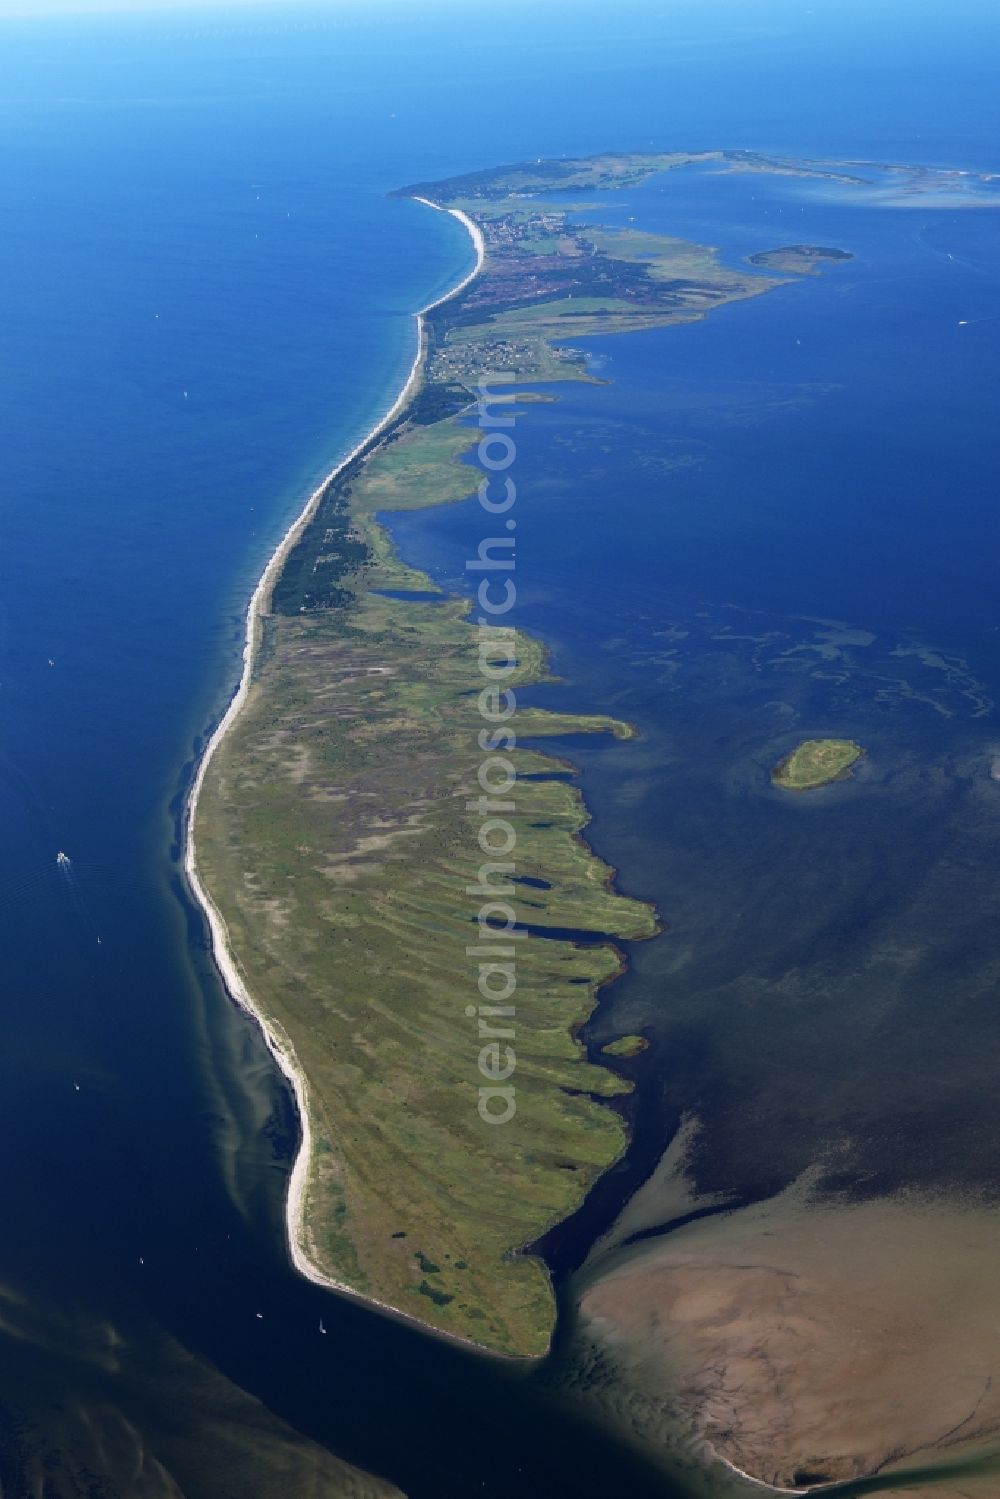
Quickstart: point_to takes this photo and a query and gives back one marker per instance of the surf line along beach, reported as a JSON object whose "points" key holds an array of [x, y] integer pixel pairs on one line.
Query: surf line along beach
{"points": [[222, 950]]}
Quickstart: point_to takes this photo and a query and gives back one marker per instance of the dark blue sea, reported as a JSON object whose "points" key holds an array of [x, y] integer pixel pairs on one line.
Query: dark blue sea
{"points": [[778, 522]]}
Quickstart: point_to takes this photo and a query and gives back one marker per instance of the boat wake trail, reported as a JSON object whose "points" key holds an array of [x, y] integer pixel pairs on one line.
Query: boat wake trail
{"points": [[71, 883]]}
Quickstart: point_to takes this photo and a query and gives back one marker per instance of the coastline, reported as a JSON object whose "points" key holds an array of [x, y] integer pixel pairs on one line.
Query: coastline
{"points": [[223, 954], [276, 1038]]}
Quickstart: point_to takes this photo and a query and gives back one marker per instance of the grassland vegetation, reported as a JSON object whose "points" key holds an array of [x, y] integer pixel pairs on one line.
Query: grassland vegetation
{"points": [[334, 830], [816, 762]]}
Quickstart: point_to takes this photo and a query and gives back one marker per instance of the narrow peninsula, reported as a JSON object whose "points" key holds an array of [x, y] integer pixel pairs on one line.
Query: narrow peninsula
{"points": [[333, 834]]}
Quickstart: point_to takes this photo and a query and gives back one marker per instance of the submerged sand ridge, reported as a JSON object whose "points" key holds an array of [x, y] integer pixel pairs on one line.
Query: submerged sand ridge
{"points": [[810, 1344]]}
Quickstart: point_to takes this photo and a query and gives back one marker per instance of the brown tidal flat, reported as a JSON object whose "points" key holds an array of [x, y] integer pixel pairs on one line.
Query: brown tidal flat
{"points": [[811, 1343]]}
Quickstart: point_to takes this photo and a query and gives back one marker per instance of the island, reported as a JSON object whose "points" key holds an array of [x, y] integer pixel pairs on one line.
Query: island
{"points": [[816, 762], [804, 260], [376, 831], [626, 1046]]}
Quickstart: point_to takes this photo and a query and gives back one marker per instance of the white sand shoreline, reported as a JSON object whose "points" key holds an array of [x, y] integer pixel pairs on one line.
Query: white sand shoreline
{"points": [[222, 950]]}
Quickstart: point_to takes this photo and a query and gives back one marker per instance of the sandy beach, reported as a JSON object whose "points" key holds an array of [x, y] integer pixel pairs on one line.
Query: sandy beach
{"points": [[225, 958]]}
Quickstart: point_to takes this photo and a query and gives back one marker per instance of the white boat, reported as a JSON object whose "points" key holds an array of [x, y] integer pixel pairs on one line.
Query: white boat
{"points": [[62, 858]]}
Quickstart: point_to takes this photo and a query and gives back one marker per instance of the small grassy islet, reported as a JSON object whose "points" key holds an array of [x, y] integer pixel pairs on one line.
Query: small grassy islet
{"points": [[625, 1046], [816, 762]]}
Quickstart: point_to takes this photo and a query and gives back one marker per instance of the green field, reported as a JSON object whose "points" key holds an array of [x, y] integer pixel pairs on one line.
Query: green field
{"points": [[334, 835]]}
